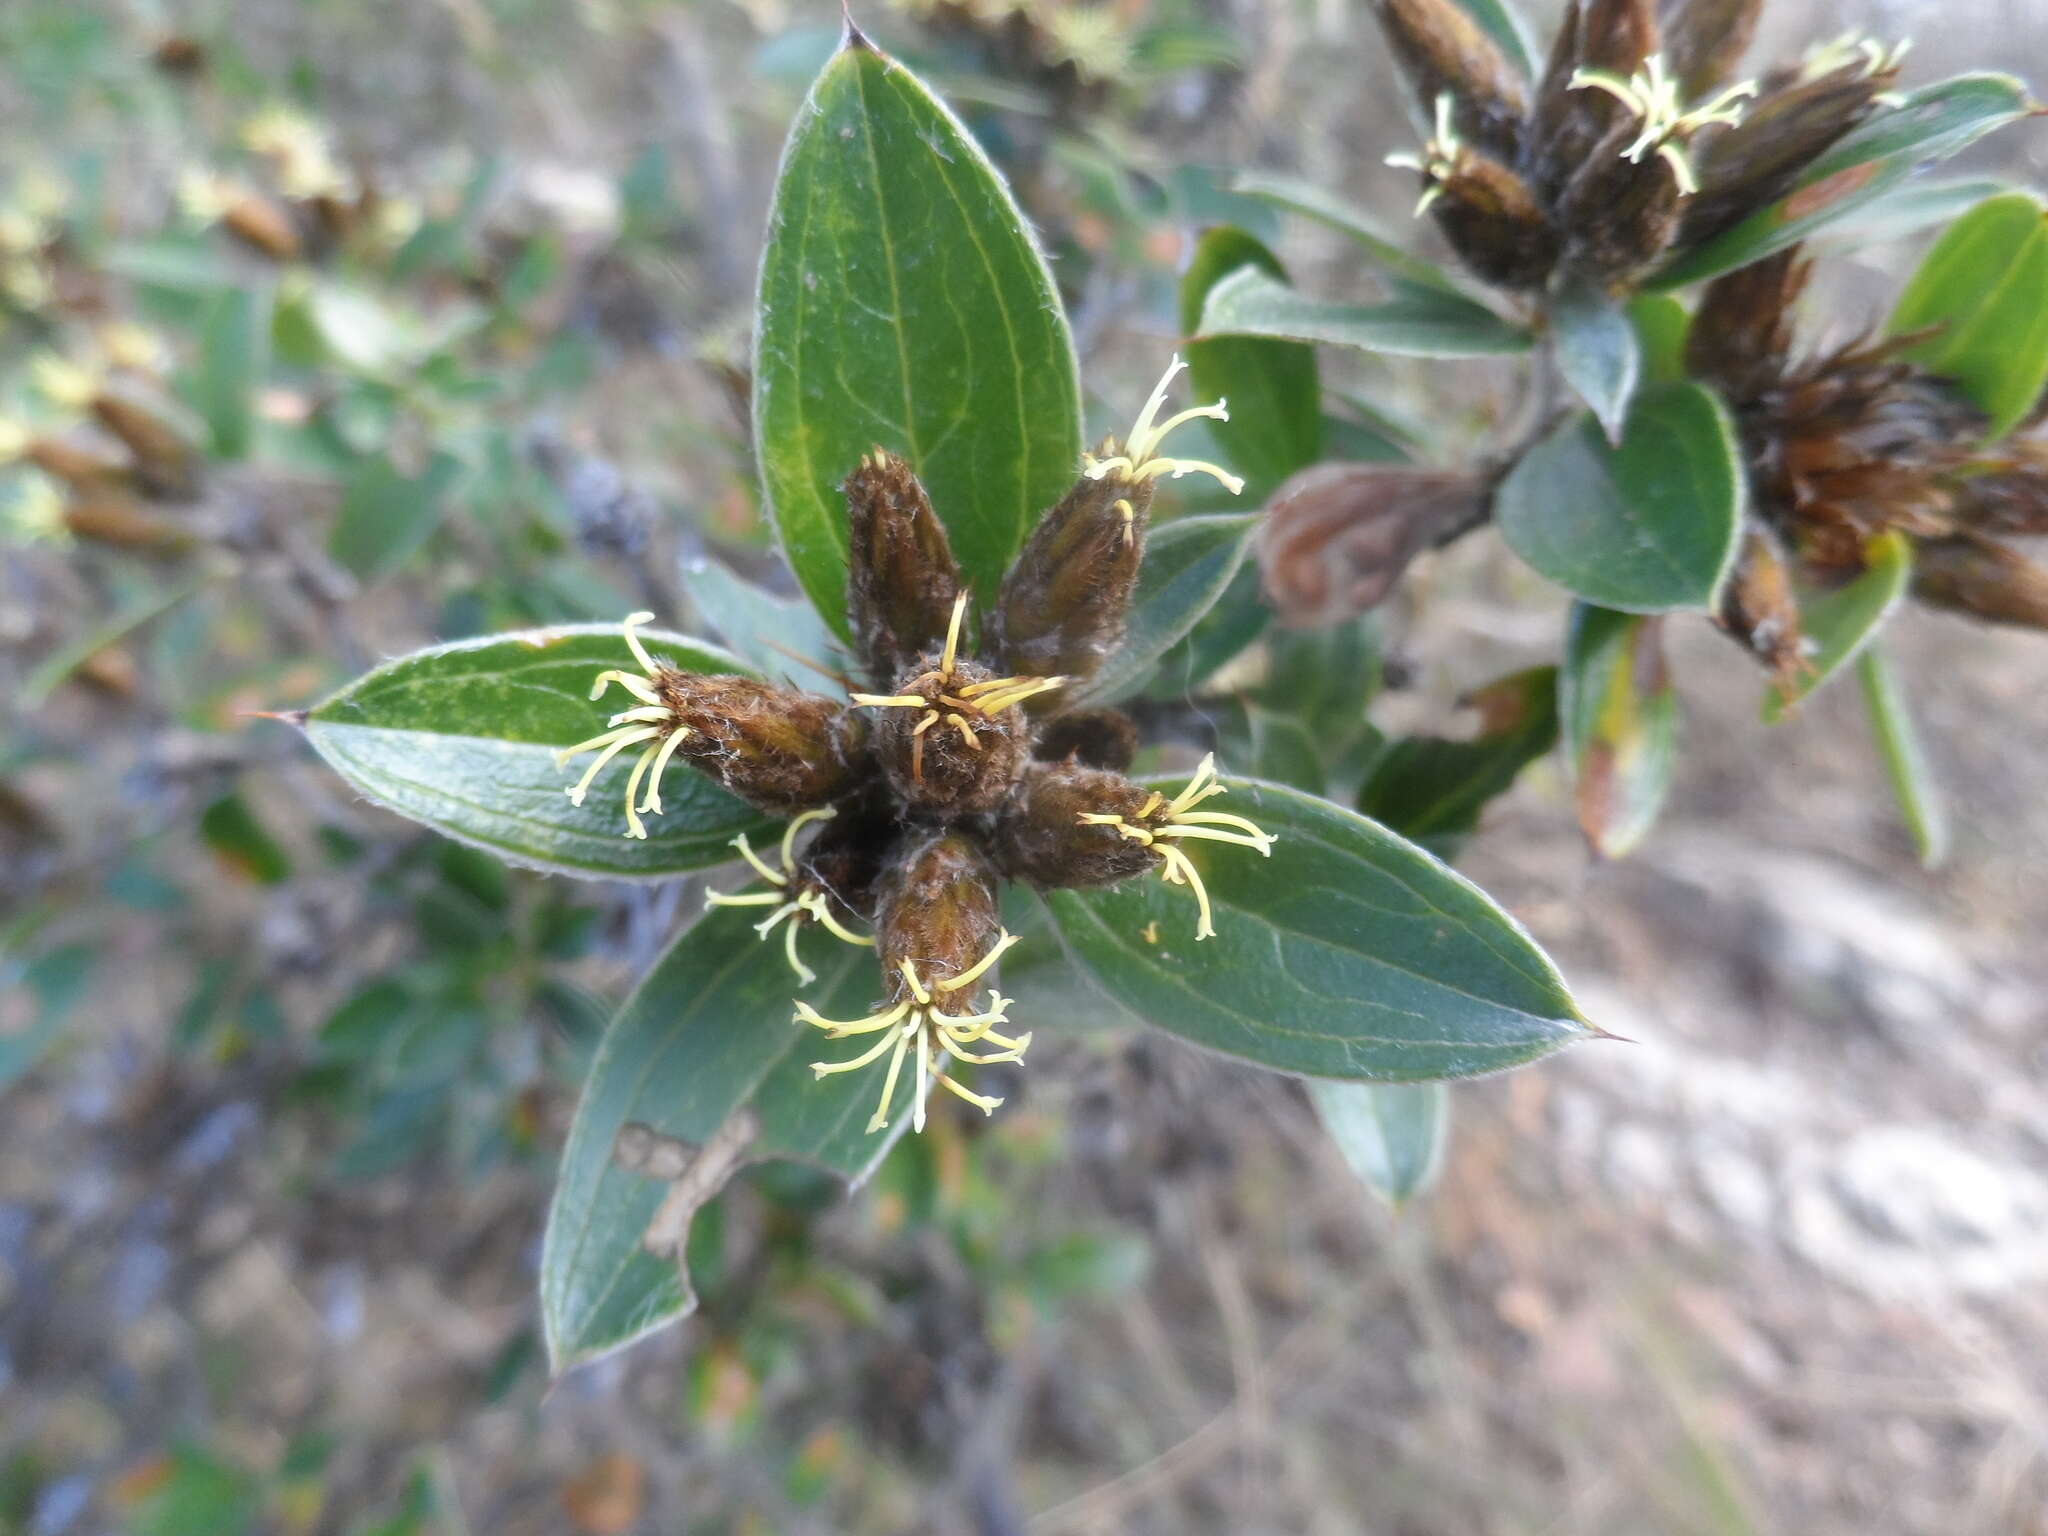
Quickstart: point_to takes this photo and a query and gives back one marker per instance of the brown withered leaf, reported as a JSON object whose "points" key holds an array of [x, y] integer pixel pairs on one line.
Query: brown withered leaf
{"points": [[1337, 537]]}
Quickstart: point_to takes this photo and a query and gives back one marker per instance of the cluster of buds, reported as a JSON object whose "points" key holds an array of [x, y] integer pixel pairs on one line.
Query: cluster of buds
{"points": [[958, 768], [101, 443], [1853, 443], [1635, 146]]}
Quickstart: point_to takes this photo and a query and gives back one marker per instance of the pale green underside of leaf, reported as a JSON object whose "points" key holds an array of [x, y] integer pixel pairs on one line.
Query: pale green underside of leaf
{"points": [[1598, 351], [462, 738], [903, 303], [1349, 953], [1647, 527], [710, 1031], [1415, 324], [1391, 1134]]}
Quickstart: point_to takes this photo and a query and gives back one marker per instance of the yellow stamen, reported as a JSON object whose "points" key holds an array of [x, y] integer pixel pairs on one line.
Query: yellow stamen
{"points": [[966, 731], [635, 827], [1652, 95], [953, 635], [618, 743], [668, 750], [636, 686], [975, 972], [632, 622], [1141, 458], [889, 700], [772, 876], [789, 834]]}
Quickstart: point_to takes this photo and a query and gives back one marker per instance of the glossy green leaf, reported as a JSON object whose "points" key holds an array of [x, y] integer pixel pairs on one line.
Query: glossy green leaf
{"points": [[1620, 722], [708, 1033], [1391, 1134], [1348, 953], [1331, 211], [1275, 397], [386, 516], [462, 737], [1983, 291], [1905, 756], [1188, 565], [1645, 527], [903, 303], [1840, 622], [1929, 125], [1434, 789], [1416, 323], [780, 638], [234, 350], [1268, 744], [1909, 208], [1598, 351]]}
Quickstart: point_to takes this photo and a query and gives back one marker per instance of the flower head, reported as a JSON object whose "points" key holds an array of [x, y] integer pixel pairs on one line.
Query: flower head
{"points": [[797, 899], [956, 766], [1665, 123], [1137, 458]]}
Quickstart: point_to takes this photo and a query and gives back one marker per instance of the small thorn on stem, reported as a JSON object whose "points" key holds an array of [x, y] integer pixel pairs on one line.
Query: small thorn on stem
{"points": [[288, 716]]}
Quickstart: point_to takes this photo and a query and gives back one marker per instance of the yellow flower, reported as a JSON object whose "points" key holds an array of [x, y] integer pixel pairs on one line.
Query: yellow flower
{"points": [[792, 900], [1160, 824], [649, 725]]}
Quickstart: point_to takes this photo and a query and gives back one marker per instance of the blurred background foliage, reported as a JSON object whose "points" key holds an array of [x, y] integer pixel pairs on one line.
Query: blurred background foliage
{"points": [[331, 329]]}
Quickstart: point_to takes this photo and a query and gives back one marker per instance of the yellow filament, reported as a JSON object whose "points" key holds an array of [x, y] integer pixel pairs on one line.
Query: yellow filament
{"points": [[974, 973], [789, 834], [772, 876], [619, 742], [632, 622], [636, 686], [889, 700], [953, 635], [668, 750]]}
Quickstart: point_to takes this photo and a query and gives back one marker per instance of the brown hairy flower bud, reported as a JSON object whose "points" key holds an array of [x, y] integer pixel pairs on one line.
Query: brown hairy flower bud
{"points": [[1442, 49], [113, 517], [1041, 837], [1094, 738], [938, 911], [2011, 496], [1493, 221], [1063, 602], [1758, 608], [957, 747], [1614, 37], [901, 576], [76, 466], [1752, 164], [848, 857], [777, 749], [1705, 39], [1985, 579], [1618, 214], [1740, 340], [1069, 826], [265, 227], [164, 462], [1337, 537]]}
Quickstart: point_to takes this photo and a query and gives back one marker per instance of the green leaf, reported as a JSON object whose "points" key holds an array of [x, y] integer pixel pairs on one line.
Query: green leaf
{"points": [[234, 346], [1433, 789], [903, 303], [1312, 202], [1598, 351], [1645, 527], [779, 637], [1188, 565], [1348, 953], [1620, 720], [1841, 622], [1224, 633], [230, 828], [1905, 757], [1910, 208], [1982, 289], [462, 737], [387, 516], [1930, 125], [1661, 321], [1391, 1134], [1276, 421], [708, 1033], [1417, 323]]}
